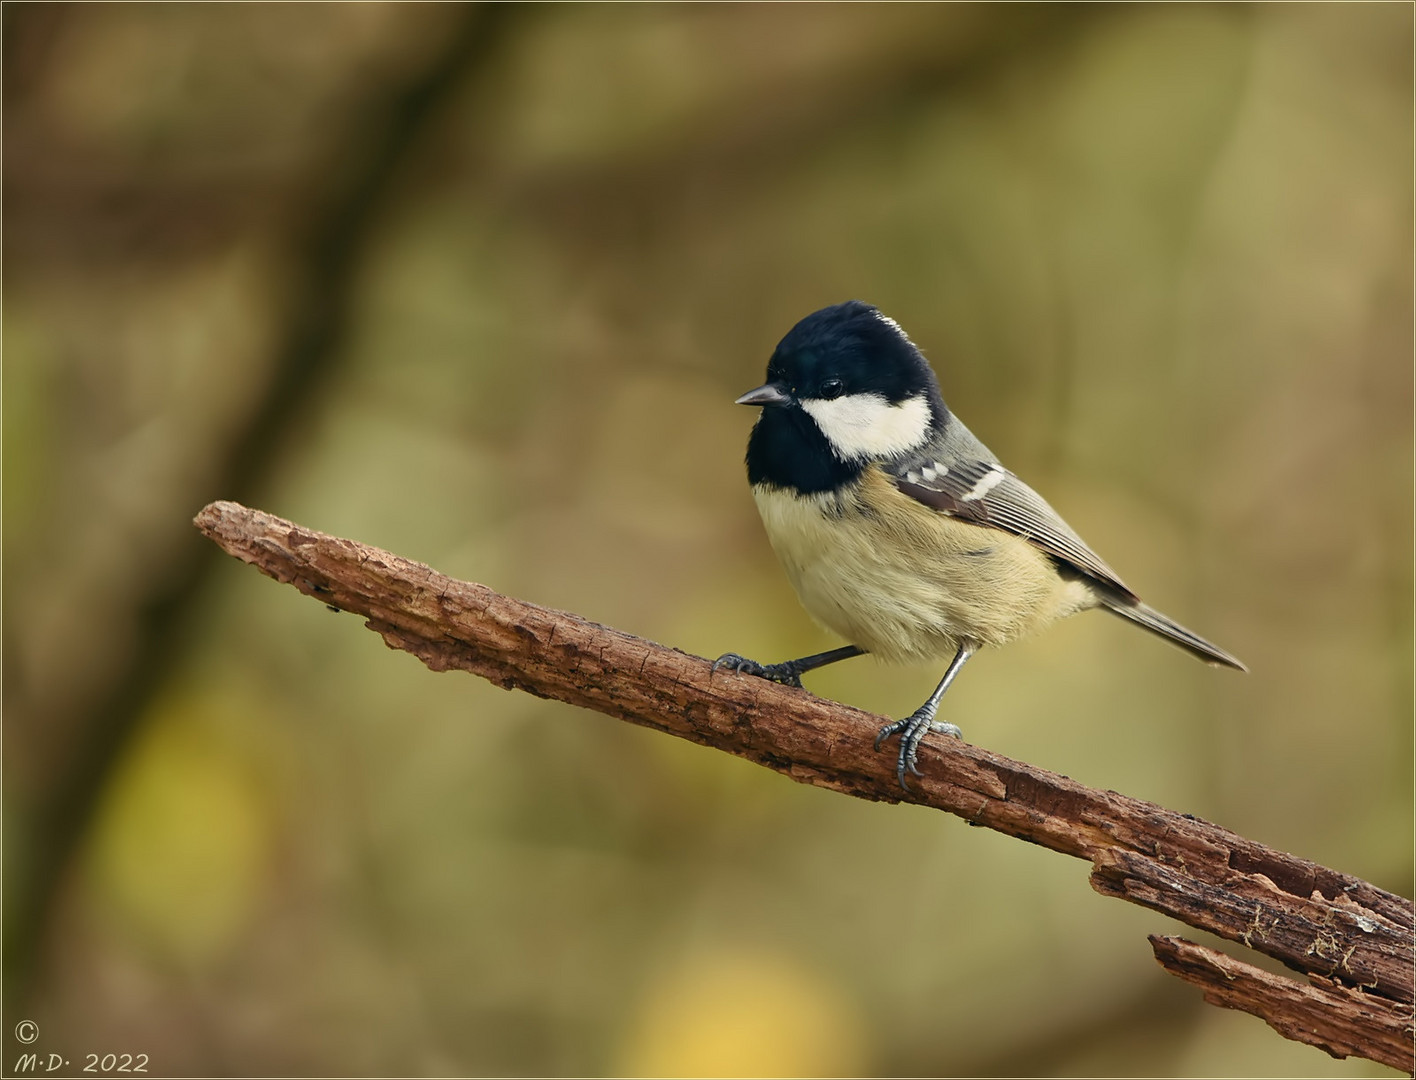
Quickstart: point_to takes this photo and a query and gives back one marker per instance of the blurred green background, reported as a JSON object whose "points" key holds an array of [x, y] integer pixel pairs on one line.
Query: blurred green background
{"points": [[479, 285]]}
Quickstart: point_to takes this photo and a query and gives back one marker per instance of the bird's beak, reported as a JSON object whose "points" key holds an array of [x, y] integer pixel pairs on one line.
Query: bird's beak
{"points": [[770, 394]]}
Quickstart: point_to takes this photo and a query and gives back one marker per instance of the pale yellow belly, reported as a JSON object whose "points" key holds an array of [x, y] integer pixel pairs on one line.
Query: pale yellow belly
{"points": [[907, 582]]}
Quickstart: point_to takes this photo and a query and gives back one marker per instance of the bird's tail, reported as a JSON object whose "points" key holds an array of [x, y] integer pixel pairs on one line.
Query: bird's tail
{"points": [[1156, 623]]}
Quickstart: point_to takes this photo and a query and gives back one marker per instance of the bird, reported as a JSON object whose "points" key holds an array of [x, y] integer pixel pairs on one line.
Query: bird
{"points": [[898, 529]]}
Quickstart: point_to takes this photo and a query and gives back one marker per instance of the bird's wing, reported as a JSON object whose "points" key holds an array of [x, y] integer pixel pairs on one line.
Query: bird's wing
{"points": [[985, 493]]}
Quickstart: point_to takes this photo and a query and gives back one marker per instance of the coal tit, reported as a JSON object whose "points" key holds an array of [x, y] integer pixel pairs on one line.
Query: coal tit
{"points": [[899, 530]]}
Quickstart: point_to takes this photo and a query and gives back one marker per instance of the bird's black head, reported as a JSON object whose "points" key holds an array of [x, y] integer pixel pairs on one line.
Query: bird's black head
{"points": [[844, 388]]}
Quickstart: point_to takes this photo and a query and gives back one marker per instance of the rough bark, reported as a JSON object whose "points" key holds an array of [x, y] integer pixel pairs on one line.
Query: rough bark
{"points": [[1326, 1014], [1326, 924]]}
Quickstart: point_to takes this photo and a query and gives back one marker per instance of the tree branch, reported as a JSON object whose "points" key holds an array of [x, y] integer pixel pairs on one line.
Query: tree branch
{"points": [[1353, 937], [1340, 1020]]}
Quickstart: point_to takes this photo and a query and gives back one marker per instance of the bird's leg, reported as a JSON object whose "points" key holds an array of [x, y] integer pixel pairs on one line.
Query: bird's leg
{"points": [[914, 727], [789, 672]]}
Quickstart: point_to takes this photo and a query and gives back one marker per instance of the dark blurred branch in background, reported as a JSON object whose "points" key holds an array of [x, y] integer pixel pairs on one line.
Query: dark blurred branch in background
{"points": [[1353, 940], [354, 188]]}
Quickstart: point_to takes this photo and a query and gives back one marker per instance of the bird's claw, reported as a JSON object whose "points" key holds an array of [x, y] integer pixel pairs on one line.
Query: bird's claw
{"points": [[912, 730], [785, 673]]}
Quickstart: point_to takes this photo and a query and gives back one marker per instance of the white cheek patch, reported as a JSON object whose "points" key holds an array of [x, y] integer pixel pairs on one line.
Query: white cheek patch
{"points": [[864, 426]]}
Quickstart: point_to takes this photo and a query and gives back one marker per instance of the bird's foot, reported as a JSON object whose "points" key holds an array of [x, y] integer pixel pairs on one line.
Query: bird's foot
{"points": [[912, 730], [786, 673]]}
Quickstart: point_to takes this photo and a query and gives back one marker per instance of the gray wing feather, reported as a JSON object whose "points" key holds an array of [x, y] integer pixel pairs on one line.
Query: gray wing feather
{"points": [[983, 492]]}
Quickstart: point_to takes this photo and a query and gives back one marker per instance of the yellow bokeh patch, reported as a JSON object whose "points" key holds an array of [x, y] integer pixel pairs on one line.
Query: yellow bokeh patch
{"points": [[743, 1013], [182, 838]]}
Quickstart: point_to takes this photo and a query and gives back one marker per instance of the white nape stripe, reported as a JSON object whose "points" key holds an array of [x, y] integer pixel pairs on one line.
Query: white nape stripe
{"points": [[864, 426], [891, 323], [986, 483]]}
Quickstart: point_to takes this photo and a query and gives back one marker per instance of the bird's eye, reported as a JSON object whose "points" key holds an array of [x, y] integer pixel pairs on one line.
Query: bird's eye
{"points": [[831, 389]]}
